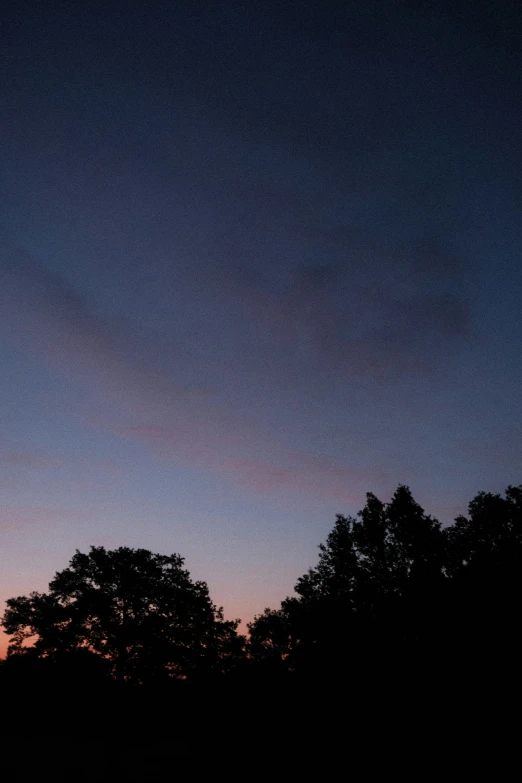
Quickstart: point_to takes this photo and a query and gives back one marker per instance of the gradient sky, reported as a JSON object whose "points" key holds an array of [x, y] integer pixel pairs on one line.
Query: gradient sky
{"points": [[256, 259]]}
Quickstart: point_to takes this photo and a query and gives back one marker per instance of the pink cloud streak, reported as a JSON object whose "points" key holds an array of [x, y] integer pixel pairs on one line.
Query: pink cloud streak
{"points": [[30, 459], [44, 316], [279, 471]]}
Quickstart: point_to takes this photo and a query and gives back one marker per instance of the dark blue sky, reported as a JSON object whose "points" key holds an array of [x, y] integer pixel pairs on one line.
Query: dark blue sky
{"points": [[256, 260]]}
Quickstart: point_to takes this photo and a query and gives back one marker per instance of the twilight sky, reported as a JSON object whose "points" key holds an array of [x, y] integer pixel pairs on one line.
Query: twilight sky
{"points": [[256, 259]]}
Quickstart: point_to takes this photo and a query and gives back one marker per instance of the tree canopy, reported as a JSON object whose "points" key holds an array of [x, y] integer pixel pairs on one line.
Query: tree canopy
{"points": [[393, 582], [392, 590], [141, 612]]}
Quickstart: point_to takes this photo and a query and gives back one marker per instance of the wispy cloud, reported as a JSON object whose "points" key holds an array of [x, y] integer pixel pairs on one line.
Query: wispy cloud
{"points": [[384, 310], [263, 466], [19, 518], [308, 475], [28, 459], [42, 314]]}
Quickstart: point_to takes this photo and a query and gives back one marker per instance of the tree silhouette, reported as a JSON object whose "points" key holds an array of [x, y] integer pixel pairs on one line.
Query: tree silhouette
{"points": [[377, 583], [490, 538], [484, 566], [139, 611], [391, 592]]}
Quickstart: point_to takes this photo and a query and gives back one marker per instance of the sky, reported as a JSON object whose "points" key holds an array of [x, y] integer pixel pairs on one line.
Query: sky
{"points": [[256, 260]]}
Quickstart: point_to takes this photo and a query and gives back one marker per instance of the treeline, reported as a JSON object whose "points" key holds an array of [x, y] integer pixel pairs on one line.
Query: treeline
{"points": [[393, 595]]}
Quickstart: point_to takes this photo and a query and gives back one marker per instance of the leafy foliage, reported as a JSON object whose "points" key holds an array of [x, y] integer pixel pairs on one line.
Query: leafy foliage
{"points": [[140, 611], [391, 592], [392, 579]]}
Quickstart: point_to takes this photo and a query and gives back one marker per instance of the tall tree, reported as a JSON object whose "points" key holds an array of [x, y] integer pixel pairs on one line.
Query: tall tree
{"points": [[375, 585], [336, 572], [270, 640], [138, 610], [490, 536], [484, 564]]}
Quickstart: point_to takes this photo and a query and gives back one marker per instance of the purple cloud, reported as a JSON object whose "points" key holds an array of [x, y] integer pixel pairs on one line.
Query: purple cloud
{"points": [[382, 311], [30, 459], [371, 323], [21, 517], [260, 464], [43, 315]]}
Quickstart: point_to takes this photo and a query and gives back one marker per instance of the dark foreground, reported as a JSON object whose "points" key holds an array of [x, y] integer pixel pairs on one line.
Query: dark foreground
{"points": [[415, 728]]}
